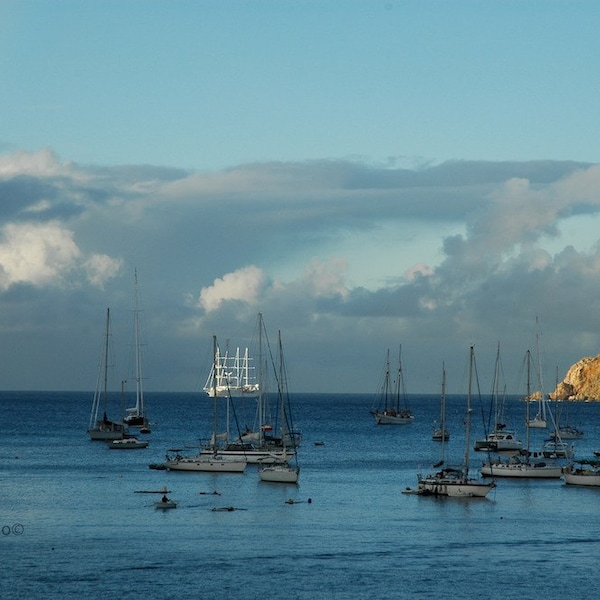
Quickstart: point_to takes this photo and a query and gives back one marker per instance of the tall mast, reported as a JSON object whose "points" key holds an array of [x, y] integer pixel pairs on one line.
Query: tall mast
{"points": [[468, 420], [443, 411], [261, 381], [139, 392], [106, 361], [215, 406]]}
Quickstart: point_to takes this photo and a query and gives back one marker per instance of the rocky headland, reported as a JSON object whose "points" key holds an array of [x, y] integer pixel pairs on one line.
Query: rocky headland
{"points": [[581, 383]]}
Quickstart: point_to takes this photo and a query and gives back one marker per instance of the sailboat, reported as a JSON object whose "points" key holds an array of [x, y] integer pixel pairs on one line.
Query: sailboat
{"points": [[104, 429], [540, 419], [455, 482], [136, 415], [281, 471], [525, 464], [214, 461], [566, 431], [392, 407], [261, 445], [582, 472], [499, 439], [441, 434]]}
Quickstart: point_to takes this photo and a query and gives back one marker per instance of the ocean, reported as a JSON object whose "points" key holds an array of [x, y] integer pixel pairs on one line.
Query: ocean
{"points": [[75, 522]]}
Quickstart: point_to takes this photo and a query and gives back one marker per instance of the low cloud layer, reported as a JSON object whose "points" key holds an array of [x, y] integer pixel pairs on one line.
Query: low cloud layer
{"points": [[515, 241]]}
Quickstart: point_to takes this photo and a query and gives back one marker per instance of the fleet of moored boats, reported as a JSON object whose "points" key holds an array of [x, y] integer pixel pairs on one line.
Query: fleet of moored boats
{"points": [[235, 376]]}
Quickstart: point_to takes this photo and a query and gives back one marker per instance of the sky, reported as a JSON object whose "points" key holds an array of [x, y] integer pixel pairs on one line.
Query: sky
{"points": [[367, 175]]}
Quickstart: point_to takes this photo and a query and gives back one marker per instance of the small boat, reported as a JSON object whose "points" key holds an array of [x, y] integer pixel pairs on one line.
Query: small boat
{"points": [[392, 405], [214, 463], [568, 432], [456, 482], [127, 443], [165, 503], [582, 472], [556, 448], [499, 441], [522, 465]]}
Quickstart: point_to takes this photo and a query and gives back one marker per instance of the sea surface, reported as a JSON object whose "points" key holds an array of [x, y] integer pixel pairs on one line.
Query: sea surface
{"points": [[75, 523]]}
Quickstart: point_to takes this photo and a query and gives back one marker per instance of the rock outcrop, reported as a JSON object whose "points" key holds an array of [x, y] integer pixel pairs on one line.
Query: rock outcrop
{"points": [[582, 381]]}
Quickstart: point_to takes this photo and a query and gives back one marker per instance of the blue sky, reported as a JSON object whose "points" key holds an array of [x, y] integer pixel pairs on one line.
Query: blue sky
{"points": [[364, 173]]}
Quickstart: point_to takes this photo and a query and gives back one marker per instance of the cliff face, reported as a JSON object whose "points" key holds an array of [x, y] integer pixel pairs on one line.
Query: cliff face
{"points": [[582, 381]]}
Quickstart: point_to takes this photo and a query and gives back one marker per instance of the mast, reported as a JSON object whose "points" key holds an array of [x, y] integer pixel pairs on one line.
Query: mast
{"points": [[443, 411], [105, 391], [215, 406], [527, 398], [261, 382], [386, 383], [139, 392], [468, 420], [542, 404]]}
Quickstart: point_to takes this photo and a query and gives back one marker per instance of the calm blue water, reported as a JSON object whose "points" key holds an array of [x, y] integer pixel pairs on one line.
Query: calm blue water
{"points": [[86, 533]]}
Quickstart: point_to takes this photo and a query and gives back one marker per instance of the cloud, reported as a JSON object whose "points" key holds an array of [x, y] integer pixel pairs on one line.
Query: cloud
{"points": [[345, 256], [243, 284], [39, 254]]}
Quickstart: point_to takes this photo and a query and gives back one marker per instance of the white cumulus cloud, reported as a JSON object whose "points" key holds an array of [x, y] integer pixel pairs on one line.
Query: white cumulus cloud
{"points": [[243, 284]]}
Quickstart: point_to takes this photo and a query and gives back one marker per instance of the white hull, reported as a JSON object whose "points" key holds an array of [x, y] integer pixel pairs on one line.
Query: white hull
{"points": [[392, 418], [107, 431], [212, 464], [454, 488], [581, 476], [499, 442], [537, 423], [279, 474], [127, 444], [537, 470], [254, 457]]}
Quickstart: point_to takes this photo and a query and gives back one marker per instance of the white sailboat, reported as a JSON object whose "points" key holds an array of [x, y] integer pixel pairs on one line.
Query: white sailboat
{"points": [[540, 420], [103, 429], [214, 461], [441, 433], [392, 405], [281, 471], [136, 415], [499, 439], [455, 482], [525, 464], [582, 472]]}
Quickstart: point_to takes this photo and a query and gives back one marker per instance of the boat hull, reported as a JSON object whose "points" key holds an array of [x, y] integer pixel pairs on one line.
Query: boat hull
{"points": [[539, 470], [207, 464], [254, 457], [107, 431], [165, 505], [127, 444], [453, 489], [581, 476], [279, 474], [388, 418]]}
